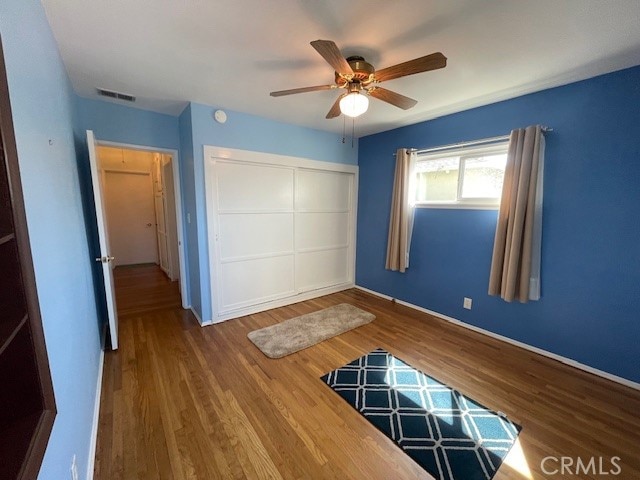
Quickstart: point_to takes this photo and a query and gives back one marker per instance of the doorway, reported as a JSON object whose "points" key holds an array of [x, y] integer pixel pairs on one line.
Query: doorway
{"points": [[143, 224]]}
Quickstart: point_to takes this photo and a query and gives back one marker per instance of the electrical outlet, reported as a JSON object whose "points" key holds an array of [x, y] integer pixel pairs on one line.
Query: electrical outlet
{"points": [[74, 469], [467, 303]]}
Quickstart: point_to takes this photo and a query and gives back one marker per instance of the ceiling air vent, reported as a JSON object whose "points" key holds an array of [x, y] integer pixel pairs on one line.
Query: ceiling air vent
{"points": [[120, 96]]}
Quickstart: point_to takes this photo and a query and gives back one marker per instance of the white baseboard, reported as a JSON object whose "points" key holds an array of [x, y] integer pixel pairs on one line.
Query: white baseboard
{"points": [[382, 295], [91, 461], [195, 314], [531, 348], [261, 307]]}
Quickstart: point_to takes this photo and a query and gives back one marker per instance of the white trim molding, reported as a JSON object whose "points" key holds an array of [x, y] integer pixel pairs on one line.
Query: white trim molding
{"points": [[195, 314], [567, 361], [281, 302], [91, 461], [250, 156]]}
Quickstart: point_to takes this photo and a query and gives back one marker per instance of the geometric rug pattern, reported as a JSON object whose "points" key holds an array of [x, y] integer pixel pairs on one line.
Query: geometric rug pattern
{"points": [[448, 434]]}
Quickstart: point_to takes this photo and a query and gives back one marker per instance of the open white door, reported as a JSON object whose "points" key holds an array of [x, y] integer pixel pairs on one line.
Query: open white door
{"points": [[105, 255]]}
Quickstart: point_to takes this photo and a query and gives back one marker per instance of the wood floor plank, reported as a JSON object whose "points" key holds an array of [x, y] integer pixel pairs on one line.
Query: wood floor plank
{"points": [[281, 408], [184, 402], [168, 415]]}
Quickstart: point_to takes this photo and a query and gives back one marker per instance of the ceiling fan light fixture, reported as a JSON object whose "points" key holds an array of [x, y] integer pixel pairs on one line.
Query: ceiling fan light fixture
{"points": [[354, 104]]}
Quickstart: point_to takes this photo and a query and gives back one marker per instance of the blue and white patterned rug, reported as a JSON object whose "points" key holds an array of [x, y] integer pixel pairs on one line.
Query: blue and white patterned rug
{"points": [[449, 435]]}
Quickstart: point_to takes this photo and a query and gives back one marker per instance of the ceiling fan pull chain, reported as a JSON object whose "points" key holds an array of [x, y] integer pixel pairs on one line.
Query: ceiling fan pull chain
{"points": [[344, 128], [353, 129]]}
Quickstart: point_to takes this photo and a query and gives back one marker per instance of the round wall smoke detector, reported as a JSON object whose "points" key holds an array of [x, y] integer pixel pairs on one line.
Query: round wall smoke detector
{"points": [[220, 116]]}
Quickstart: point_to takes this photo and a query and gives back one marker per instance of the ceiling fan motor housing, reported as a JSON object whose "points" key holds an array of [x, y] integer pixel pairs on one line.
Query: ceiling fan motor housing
{"points": [[362, 71]]}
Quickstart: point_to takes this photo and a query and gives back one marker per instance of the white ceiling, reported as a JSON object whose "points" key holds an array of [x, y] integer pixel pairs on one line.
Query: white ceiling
{"points": [[231, 53]]}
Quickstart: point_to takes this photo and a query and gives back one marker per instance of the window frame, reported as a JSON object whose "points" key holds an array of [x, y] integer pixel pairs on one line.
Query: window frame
{"points": [[463, 154]]}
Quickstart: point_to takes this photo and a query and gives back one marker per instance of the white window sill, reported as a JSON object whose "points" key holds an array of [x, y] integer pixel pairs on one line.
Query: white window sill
{"points": [[459, 206]]}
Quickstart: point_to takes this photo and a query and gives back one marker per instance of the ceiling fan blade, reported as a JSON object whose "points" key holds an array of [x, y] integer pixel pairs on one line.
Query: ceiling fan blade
{"points": [[332, 55], [301, 90], [393, 98], [335, 108], [417, 65]]}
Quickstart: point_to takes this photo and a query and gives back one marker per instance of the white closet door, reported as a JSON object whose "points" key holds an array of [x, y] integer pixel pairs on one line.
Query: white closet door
{"points": [[281, 229], [322, 228], [255, 251]]}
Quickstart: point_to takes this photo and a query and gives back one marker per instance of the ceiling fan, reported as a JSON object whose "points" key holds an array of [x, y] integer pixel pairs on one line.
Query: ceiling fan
{"points": [[358, 78]]}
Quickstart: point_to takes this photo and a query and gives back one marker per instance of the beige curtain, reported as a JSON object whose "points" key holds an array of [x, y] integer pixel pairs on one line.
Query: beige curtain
{"points": [[515, 266], [401, 219]]}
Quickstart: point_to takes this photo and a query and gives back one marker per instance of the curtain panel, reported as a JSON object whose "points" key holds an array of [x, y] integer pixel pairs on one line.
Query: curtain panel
{"points": [[401, 218], [515, 265]]}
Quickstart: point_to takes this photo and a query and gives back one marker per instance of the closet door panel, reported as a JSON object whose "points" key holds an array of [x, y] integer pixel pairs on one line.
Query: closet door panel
{"points": [[258, 188], [255, 235], [321, 230], [322, 268], [324, 191], [256, 281], [259, 234]]}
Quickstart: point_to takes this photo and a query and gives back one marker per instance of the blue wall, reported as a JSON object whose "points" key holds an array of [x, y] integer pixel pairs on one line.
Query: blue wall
{"points": [[123, 124], [590, 303], [245, 132], [42, 103], [189, 206]]}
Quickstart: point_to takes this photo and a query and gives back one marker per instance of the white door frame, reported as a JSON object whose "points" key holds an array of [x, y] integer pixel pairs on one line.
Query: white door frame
{"points": [[186, 302]]}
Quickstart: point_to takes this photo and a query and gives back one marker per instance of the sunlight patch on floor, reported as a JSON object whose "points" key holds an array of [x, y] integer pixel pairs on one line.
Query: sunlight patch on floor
{"points": [[517, 460]]}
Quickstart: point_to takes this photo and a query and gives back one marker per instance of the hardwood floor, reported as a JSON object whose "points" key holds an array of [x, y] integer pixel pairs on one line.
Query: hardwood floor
{"points": [[141, 288], [184, 402]]}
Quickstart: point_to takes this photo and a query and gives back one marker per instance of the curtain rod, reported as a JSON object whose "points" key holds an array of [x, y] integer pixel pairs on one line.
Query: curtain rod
{"points": [[470, 143]]}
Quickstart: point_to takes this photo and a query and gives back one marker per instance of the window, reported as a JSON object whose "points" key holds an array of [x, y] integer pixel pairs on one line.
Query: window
{"points": [[463, 178]]}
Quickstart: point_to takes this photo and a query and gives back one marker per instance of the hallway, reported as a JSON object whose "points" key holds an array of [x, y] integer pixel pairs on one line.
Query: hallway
{"points": [[143, 288]]}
